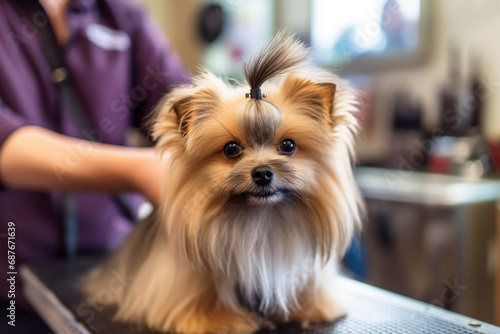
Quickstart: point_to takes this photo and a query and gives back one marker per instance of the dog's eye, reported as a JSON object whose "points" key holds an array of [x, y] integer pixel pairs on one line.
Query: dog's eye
{"points": [[232, 149], [287, 146]]}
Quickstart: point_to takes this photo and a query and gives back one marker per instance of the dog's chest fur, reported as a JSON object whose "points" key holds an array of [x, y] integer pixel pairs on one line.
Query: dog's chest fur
{"points": [[251, 304]]}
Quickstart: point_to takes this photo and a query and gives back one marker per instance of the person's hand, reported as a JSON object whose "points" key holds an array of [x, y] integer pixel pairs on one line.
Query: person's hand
{"points": [[147, 173]]}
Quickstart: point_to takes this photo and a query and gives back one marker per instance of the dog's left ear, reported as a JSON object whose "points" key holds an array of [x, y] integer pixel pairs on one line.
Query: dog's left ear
{"points": [[316, 99], [326, 91]]}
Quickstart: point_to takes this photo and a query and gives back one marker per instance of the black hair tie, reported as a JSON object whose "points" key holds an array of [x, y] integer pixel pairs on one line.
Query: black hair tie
{"points": [[255, 93]]}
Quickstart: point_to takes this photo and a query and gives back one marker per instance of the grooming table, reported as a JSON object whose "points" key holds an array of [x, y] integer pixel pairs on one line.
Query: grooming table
{"points": [[50, 288]]}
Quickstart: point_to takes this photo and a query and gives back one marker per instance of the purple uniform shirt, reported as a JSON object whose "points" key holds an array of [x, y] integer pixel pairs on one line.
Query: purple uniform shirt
{"points": [[120, 65]]}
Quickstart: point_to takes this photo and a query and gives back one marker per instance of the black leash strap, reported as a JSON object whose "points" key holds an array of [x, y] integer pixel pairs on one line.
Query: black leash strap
{"points": [[60, 77]]}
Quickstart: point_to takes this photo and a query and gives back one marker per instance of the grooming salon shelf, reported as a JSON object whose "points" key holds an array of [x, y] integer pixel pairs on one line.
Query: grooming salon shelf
{"points": [[50, 288], [420, 188]]}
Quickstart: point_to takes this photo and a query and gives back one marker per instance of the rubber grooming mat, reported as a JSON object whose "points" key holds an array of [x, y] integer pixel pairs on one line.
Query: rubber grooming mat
{"points": [[50, 287]]}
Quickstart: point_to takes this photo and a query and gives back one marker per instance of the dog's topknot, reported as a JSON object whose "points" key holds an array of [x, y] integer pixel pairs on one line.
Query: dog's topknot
{"points": [[282, 54]]}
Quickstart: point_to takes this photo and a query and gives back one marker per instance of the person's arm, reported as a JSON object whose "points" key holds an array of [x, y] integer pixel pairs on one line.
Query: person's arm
{"points": [[35, 158]]}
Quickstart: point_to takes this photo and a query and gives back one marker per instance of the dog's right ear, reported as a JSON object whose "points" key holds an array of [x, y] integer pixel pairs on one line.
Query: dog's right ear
{"points": [[180, 110]]}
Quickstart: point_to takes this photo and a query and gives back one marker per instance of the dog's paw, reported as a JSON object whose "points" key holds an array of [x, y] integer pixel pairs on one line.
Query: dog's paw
{"points": [[218, 324], [324, 310], [305, 324], [266, 324]]}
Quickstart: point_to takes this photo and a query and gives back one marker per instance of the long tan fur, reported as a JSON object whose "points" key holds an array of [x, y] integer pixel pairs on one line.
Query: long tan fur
{"points": [[215, 258]]}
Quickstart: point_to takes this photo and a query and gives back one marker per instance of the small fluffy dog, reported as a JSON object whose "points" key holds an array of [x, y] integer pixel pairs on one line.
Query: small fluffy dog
{"points": [[259, 201]]}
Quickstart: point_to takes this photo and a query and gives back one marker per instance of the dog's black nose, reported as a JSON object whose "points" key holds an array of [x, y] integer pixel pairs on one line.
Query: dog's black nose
{"points": [[262, 175]]}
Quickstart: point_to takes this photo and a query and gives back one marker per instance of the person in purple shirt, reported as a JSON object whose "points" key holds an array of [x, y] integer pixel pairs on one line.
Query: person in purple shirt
{"points": [[120, 66]]}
